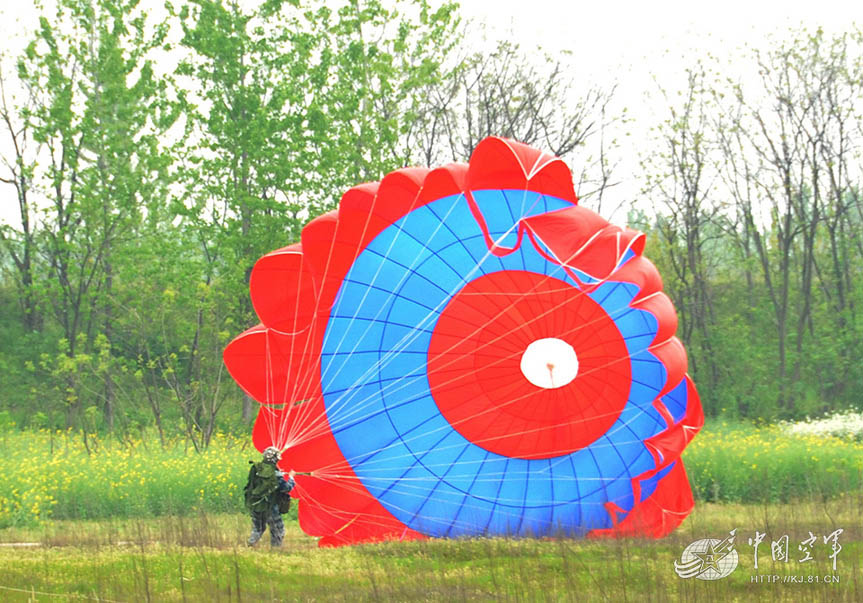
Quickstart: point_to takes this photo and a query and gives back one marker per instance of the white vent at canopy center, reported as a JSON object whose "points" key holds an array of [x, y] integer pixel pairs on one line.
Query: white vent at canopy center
{"points": [[549, 363]]}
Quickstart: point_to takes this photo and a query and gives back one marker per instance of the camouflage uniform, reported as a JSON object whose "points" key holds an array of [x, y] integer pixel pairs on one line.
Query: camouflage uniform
{"points": [[270, 516]]}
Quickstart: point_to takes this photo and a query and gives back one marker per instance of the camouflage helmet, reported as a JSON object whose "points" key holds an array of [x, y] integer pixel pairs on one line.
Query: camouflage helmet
{"points": [[272, 454]]}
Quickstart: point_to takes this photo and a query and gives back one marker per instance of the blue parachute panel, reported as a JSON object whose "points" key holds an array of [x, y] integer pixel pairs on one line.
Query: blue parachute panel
{"points": [[675, 401]]}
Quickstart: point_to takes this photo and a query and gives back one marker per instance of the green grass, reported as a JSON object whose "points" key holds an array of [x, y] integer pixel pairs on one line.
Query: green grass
{"points": [[133, 521], [200, 558], [55, 475], [741, 462]]}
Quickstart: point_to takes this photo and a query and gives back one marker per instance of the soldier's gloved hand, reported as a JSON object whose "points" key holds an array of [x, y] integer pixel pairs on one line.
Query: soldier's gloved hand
{"points": [[292, 473]]}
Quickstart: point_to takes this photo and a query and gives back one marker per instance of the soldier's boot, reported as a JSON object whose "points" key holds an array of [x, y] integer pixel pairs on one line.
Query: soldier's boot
{"points": [[254, 537]]}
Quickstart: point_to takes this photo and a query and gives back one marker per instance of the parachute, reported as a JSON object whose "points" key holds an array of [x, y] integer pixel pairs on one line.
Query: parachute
{"points": [[466, 351]]}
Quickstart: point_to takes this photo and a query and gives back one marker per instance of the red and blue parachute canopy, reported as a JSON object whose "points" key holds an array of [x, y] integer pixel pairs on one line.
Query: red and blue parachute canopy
{"points": [[466, 351]]}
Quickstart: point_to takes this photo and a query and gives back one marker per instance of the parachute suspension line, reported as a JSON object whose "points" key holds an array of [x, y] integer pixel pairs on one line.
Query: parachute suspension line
{"points": [[581, 326], [384, 361], [390, 294], [397, 386], [270, 383], [297, 425], [297, 438], [308, 378], [275, 422], [407, 339], [405, 383], [522, 432], [289, 403], [381, 362]]}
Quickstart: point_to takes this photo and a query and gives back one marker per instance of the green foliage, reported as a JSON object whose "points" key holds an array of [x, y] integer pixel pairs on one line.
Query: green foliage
{"points": [[6, 421], [756, 226], [161, 190], [741, 462], [97, 111], [148, 195], [62, 474], [68, 475]]}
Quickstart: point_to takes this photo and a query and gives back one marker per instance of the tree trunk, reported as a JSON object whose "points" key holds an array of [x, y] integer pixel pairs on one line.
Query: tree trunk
{"points": [[248, 408], [109, 379]]}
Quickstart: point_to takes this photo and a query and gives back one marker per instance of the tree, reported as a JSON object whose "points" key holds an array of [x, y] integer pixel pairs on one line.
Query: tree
{"points": [[20, 244], [287, 108], [98, 112], [789, 153], [680, 178], [532, 99]]}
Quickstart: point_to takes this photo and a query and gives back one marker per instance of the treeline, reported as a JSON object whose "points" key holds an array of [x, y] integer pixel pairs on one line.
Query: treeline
{"points": [[152, 160], [758, 225]]}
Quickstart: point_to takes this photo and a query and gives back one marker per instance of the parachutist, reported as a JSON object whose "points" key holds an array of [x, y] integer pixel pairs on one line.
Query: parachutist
{"points": [[267, 497]]}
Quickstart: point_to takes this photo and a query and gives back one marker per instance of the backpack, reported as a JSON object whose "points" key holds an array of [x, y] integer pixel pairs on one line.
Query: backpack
{"points": [[284, 502], [261, 486]]}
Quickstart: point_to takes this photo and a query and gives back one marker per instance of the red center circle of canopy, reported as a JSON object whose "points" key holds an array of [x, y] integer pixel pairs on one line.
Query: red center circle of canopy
{"points": [[474, 366]]}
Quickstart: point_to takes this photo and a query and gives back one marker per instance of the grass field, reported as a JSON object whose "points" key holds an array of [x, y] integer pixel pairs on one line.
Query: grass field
{"points": [[201, 558], [748, 463], [55, 475], [131, 520]]}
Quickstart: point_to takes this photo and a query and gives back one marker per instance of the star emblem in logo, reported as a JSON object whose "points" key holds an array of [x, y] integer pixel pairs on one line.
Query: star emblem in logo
{"points": [[708, 559]]}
